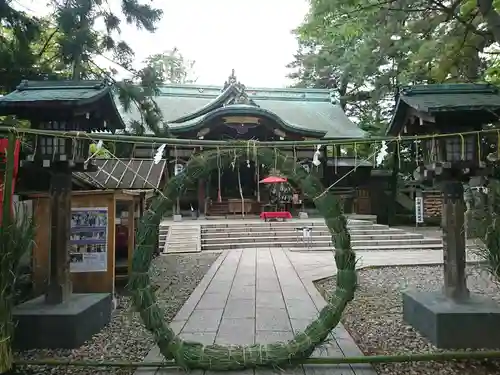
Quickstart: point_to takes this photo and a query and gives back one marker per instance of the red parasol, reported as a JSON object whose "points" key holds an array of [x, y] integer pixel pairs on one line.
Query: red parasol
{"points": [[273, 180]]}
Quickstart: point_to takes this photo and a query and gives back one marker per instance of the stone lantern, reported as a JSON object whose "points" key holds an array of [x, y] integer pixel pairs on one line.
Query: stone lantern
{"points": [[64, 106], [448, 116]]}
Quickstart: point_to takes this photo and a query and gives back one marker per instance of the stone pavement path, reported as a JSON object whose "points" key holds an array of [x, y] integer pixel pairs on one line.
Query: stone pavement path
{"points": [[265, 295]]}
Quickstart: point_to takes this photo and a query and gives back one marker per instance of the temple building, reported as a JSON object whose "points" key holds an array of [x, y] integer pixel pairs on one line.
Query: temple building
{"points": [[233, 111]]}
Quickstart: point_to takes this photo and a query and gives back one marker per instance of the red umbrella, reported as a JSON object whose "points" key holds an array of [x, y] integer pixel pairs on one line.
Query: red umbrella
{"points": [[273, 180]]}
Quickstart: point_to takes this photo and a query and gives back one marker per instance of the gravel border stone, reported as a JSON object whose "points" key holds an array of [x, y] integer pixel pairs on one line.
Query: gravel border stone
{"points": [[125, 338], [374, 317]]}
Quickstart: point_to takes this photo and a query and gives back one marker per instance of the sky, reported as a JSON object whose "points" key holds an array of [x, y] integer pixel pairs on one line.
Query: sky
{"points": [[252, 37]]}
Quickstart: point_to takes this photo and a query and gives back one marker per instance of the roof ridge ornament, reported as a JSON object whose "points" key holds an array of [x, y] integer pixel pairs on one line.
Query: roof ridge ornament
{"points": [[240, 96], [231, 81]]}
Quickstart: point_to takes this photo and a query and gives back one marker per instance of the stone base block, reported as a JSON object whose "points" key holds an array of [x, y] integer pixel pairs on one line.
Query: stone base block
{"points": [[177, 217], [451, 325], [67, 325], [303, 215]]}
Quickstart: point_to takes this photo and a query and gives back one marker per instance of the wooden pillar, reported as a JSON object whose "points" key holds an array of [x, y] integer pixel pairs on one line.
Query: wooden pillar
{"points": [[141, 204], [59, 288], [201, 196], [455, 282], [394, 185], [131, 234]]}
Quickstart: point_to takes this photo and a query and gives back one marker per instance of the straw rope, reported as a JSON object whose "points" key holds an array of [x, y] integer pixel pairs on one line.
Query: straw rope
{"points": [[192, 355]]}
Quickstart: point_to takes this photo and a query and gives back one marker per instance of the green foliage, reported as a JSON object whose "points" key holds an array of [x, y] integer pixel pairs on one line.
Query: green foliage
{"points": [[16, 241], [486, 227], [167, 67], [65, 45], [78, 41], [365, 49], [193, 355], [24, 42], [101, 153], [171, 67]]}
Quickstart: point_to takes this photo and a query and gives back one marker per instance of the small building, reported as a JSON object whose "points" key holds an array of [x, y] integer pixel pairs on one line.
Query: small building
{"points": [[123, 187], [439, 109], [236, 112]]}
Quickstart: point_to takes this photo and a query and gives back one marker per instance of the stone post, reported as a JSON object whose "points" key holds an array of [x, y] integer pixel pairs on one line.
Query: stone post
{"points": [[59, 288], [201, 197], [455, 283], [475, 201]]}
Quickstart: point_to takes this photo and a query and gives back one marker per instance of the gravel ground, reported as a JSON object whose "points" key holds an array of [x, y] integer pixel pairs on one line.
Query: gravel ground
{"points": [[125, 338], [374, 318]]}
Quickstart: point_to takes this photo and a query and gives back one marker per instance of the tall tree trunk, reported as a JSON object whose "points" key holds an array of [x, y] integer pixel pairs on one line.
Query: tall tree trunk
{"points": [[491, 16], [344, 82]]}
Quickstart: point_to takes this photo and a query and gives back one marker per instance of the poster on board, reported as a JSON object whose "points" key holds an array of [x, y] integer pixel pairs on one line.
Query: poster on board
{"points": [[88, 245]]}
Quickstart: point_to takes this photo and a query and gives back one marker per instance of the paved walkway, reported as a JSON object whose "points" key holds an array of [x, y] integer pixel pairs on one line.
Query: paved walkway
{"points": [[265, 295]]}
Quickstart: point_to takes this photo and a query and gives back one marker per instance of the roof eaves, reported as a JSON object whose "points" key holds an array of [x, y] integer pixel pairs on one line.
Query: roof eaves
{"points": [[248, 109], [87, 179], [443, 89], [396, 117], [217, 102]]}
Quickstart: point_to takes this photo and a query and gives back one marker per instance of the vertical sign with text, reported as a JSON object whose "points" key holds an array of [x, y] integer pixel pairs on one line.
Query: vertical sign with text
{"points": [[419, 210]]}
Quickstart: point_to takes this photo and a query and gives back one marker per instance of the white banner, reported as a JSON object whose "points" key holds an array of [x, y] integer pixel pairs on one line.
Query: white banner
{"points": [[419, 210]]}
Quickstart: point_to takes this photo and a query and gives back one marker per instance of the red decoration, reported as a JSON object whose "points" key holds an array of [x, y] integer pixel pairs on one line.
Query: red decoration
{"points": [[275, 215], [3, 160], [273, 180]]}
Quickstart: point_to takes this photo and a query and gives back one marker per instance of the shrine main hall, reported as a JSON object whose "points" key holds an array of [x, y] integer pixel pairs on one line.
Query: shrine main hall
{"points": [[236, 112]]}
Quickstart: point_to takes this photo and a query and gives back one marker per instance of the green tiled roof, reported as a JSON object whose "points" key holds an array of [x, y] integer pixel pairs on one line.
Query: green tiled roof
{"points": [[60, 94], [307, 111], [56, 91], [441, 98], [451, 97]]}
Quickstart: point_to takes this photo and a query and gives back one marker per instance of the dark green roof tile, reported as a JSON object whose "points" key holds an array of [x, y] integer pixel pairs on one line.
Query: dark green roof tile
{"points": [[440, 98], [61, 91], [51, 94], [303, 110], [450, 97]]}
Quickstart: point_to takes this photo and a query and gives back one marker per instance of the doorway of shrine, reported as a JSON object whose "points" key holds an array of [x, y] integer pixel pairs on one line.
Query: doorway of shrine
{"points": [[230, 182]]}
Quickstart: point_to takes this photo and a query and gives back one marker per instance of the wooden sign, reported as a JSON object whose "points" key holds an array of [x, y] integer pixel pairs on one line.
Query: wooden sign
{"points": [[419, 210], [241, 120]]}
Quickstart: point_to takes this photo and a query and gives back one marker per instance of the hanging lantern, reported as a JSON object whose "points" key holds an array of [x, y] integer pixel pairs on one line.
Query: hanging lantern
{"points": [[460, 152]]}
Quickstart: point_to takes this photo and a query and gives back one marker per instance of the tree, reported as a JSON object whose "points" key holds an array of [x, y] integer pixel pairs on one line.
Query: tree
{"points": [[171, 67], [74, 42], [342, 46], [139, 91], [39, 60], [79, 43], [489, 10]]}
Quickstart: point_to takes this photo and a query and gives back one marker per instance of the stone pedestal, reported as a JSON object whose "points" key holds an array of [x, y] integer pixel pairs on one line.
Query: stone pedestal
{"points": [[177, 218], [448, 324], [65, 325], [453, 318]]}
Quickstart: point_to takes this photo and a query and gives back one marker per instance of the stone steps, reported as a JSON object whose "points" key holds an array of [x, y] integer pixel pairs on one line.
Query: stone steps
{"points": [[293, 233], [162, 236], [417, 247], [286, 224], [365, 236], [423, 243], [183, 239], [287, 228], [392, 235]]}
